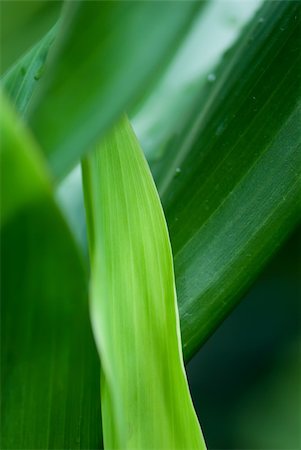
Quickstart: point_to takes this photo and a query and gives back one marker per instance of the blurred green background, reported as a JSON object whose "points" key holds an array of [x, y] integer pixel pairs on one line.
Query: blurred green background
{"points": [[245, 381]]}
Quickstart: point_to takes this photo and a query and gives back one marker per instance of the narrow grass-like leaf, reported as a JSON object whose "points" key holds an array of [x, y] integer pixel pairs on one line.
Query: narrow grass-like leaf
{"points": [[93, 76], [145, 397], [49, 364], [236, 194]]}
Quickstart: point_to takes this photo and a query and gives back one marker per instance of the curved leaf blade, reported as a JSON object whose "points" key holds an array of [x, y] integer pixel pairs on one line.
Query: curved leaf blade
{"points": [[145, 399], [24, 178], [113, 71], [49, 364], [237, 195]]}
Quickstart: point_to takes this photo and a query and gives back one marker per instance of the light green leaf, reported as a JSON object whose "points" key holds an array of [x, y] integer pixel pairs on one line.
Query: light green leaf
{"points": [[94, 75], [49, 364], [144, 391], [24, 178]]}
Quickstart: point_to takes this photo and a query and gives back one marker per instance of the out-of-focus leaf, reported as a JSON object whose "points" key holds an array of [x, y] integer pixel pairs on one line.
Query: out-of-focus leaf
{"points": [[23, 178], [231, 185], [279, 387], [145, 396], [20, 81], [23, 22], [49, 364], [94, 75]]}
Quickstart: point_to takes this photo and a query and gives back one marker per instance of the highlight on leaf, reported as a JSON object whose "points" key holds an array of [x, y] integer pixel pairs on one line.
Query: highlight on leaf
{"points": [[213, 92], [144, 392]]}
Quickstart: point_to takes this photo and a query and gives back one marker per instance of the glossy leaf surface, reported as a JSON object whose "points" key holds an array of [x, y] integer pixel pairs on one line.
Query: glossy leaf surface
{"points": [[231, 185], [144, 392], [191, 74], [230, 126], [93, 76]]}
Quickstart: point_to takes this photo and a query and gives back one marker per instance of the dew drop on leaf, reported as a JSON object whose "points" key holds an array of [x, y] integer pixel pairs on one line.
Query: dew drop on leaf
{"points": [[211, 77]]}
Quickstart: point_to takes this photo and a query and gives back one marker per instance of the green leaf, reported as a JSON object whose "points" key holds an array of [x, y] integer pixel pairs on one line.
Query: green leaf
{"points": [[236, 194], [144, 391], [23, 22], [49, 364], [24, 178], [21, 80], [93, 76], [229, 128], [189, 76]]}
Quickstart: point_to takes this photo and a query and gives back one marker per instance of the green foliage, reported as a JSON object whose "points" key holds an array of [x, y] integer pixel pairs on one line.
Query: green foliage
{"points": [[145, 397], [23, 22], [226, 162], [237, 196], [95, 75], [49, 364], [24, 179], [20, 81]]}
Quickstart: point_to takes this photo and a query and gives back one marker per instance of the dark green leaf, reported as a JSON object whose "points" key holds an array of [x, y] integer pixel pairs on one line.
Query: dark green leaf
{"points": [[191, 74], [95, 74], [236, 194], [23, 22], [21, 80], [49, 365]]}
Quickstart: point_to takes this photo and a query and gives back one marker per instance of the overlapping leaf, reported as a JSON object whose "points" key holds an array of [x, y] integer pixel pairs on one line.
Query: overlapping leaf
{"points": [[94, 75], [144, 391], [237, 121], [49, 364], [236, 194], [191, 75]]}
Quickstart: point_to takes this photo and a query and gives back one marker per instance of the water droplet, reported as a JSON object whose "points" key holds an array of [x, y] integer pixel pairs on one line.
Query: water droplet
{"points": [[220, 129], [254, 98], [178, 171], [211, 77], [282, 29], [261, 20], [39, 73]]}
